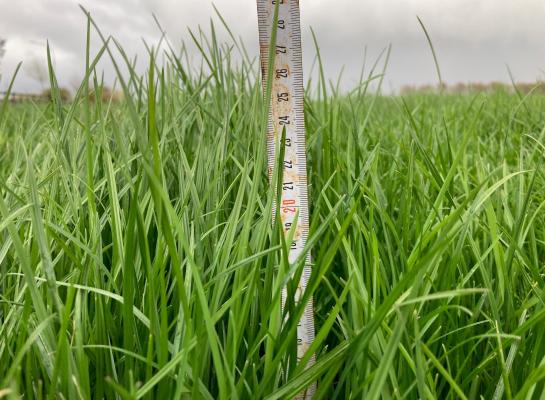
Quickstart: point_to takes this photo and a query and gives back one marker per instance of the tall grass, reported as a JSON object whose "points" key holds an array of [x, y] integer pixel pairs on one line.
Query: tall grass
{"points": [[137, 257]]}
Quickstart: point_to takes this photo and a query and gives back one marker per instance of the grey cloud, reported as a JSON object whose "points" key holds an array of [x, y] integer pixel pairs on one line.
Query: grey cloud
{"points": [[62, 23], [475, 39]]}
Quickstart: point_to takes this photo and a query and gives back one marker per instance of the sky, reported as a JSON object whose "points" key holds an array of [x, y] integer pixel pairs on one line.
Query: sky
{"points": [[475, 40]]}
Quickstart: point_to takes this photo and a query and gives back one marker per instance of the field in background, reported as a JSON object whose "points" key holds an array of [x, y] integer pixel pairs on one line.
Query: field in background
{"points": [[137, 257]]}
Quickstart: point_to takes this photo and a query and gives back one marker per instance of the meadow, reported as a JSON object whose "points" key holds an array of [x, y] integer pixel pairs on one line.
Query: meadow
{"points": [[138, 258]]}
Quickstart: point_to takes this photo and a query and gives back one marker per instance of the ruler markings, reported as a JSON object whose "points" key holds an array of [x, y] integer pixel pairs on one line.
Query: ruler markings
{"points": [[287, 114]]}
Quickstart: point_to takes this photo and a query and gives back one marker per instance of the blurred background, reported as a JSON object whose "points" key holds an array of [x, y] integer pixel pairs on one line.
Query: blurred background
{"points": [[476, 40]]}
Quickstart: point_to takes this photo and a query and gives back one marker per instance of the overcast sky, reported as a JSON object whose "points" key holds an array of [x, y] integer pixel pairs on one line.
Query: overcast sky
{"points": [[475, 40]]}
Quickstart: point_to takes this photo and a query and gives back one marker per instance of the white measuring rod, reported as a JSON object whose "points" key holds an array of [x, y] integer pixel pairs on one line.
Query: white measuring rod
{"points": [[287, 115]]}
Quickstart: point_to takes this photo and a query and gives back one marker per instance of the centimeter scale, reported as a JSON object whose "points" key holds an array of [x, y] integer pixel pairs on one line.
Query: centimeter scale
{"points": [[286, 118]]}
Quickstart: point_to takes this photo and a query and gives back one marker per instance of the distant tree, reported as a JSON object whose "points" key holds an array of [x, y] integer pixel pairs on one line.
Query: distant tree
{"points": [[106, 95], [2, 52], [2, 47], [37, 71], [64, 95]]}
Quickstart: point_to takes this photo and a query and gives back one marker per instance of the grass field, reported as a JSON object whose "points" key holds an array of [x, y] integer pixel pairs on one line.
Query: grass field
{"points": [[138, 258]]}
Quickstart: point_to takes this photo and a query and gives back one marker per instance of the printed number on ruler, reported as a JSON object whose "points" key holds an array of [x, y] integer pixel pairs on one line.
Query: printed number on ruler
{"points": [[287, 115]]}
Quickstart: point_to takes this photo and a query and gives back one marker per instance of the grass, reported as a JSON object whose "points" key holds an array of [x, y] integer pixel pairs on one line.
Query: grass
{"points": [[137, 257]]}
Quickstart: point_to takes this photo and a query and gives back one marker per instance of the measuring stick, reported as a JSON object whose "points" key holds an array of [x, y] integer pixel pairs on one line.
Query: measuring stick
{"points": [[286, 116]]}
